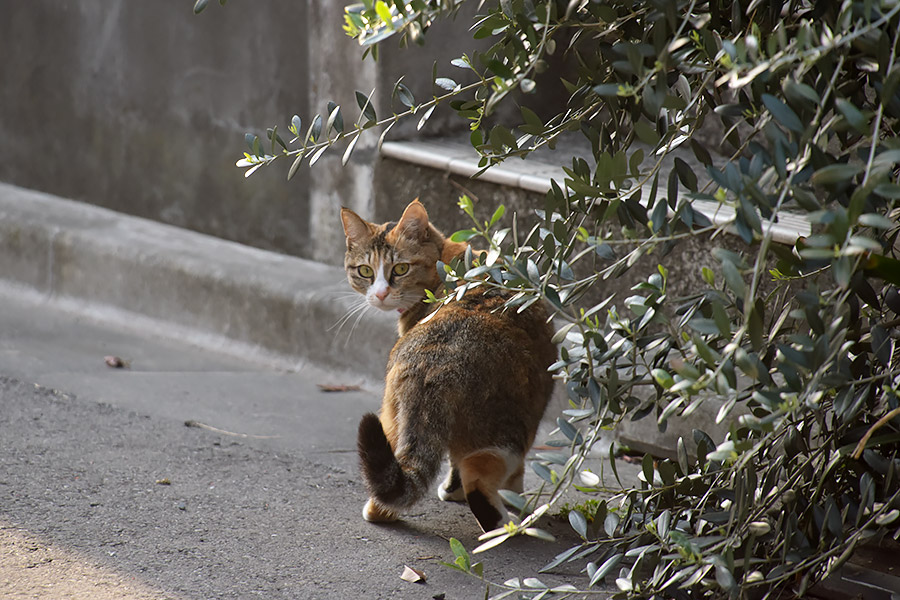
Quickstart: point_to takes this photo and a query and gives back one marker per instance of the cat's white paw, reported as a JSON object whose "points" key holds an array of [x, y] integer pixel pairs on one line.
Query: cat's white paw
{"points": [[457, 495], [377, 514]]}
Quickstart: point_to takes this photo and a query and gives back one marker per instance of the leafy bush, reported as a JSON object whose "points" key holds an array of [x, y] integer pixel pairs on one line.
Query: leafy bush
{"points": [[792, 108]]}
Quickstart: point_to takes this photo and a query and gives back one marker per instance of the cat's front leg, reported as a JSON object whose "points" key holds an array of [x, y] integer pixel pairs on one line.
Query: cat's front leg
{"points": [[451, 490]]}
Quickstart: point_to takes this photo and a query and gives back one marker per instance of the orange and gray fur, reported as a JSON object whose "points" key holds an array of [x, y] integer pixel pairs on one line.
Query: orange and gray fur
{"points": [[471, 382]]}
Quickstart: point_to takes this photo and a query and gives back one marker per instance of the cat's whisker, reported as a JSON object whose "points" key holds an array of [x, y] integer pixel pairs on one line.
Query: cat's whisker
{"points": [[359, 317], [359, 307], [356, 307], [343, 294]]}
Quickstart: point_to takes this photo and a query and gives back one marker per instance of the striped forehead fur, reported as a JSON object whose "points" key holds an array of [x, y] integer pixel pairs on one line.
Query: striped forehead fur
{"points": [[382, 244]]}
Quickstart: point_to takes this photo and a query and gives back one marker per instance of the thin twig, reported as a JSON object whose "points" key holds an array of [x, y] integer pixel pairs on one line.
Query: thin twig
{"points": [[192, 423], [878, 425]]}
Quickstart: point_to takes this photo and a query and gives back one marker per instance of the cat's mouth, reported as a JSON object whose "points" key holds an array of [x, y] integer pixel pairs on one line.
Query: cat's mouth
{"points": [[389, 305]]}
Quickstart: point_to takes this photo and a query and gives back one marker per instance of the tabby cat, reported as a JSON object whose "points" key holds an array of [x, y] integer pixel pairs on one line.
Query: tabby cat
{"points": [[470, 382]]}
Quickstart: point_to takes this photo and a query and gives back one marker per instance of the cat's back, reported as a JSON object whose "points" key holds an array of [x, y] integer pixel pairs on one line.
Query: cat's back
{"points": [[478, 360], [472, 329]]}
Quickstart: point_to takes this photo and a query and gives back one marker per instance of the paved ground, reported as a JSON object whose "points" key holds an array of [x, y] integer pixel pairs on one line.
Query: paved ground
{"points": [[105, 493]]}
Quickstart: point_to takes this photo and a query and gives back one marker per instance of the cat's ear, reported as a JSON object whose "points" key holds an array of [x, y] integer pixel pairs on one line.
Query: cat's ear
{"points": [[414, 222], [356, 229]]}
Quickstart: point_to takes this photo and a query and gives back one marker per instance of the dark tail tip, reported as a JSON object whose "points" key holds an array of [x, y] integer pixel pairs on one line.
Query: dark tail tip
{"points": [[380, 469], [375, 452]]}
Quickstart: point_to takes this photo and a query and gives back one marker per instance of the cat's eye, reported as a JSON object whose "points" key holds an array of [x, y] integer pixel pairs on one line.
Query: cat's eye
{"points": [[365, 271], [401, 269]]}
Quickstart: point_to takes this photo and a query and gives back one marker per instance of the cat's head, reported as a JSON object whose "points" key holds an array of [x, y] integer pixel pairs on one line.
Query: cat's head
{"points": [[393, 264]]}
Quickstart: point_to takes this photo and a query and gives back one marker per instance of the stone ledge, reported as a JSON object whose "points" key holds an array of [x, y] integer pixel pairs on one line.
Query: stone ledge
{"points": [[201, 287], [535, 175]]}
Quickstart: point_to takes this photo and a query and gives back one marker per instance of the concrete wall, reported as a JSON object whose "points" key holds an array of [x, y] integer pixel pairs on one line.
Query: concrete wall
{"points": [[142, 107]]}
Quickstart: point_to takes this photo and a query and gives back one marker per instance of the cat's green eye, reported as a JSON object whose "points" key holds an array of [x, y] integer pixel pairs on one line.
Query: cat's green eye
{"points": [[401, 269], [365, 271]]}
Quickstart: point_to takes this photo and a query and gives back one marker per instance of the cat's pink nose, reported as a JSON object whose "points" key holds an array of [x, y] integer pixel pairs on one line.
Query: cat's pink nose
{"points": [[382, 294]]}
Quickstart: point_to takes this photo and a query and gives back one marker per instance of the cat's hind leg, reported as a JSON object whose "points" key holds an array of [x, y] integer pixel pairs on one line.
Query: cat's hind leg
{"points": [[451, 489], [516, 481], [483, 473], [375, 513]]}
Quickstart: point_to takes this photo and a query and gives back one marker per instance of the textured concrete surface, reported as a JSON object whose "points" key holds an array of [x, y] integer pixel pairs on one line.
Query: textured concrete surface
{"points": [[142, 107]]}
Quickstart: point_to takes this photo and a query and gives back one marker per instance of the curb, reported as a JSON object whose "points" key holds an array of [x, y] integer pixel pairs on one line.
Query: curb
{"points": [[200, 289]]}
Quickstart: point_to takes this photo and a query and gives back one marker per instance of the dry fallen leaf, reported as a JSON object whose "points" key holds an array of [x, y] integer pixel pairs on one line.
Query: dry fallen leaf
{"points": [[339, 388], [413, 575], [116, 363], [165, 481]]}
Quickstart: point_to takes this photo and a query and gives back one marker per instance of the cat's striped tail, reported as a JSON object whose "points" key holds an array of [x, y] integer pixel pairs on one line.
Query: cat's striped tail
{"points": [[392, 483]]}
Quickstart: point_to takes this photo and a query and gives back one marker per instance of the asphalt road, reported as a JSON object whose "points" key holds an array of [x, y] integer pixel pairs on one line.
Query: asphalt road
{"points": [[106, 493]]}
